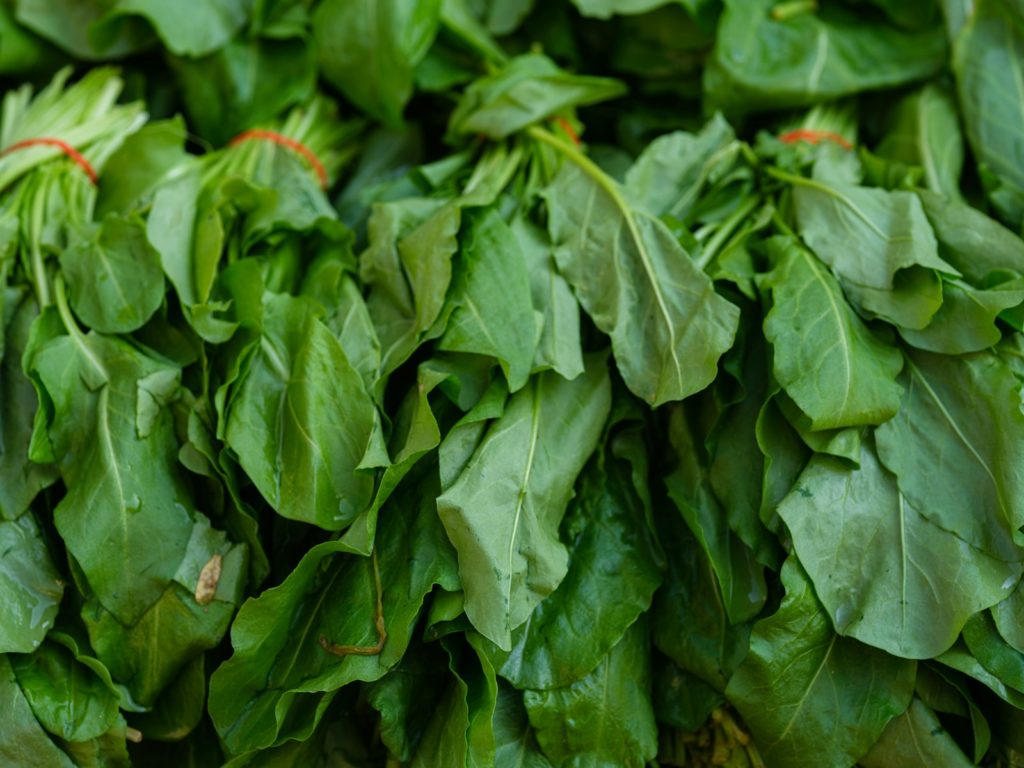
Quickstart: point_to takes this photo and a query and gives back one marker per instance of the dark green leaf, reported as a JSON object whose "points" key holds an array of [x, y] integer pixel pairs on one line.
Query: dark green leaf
{"points": [[915, 739], [114, 277], [833, 366], [887, 574], [956, 447], [279, 668], [668, 326], [22, 740], [527, 90], [300, 420], [606, 718], [990, 76], [67, 698], [368, 49], [762, 61], [925, 131], [503, 512], [30, 586], [613, 572], [20, 479], [493, 312], [805, 690]]}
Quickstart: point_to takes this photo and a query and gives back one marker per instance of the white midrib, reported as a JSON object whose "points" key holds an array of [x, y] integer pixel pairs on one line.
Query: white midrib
{"points": [[534, 434], [807, 692], [956, 428], [847, 360], [108, 451]]}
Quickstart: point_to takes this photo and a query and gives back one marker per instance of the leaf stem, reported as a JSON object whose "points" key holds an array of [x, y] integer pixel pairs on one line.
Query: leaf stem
{"points": [[64, 310], [778, 221], [587, 165], [725, 231], [792, 178], [40, 283]]}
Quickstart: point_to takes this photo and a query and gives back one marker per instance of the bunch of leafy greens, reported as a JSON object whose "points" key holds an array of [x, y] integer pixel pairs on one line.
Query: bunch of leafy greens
{"points": [[419, 432]]}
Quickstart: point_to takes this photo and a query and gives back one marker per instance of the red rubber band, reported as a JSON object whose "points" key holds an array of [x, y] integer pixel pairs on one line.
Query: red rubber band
{"points": [[566, 126], [284, 141], [63, 146], [814, 137]]}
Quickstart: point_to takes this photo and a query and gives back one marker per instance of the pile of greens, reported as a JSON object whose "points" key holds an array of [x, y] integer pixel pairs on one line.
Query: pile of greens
{"points": [[506, 383]]}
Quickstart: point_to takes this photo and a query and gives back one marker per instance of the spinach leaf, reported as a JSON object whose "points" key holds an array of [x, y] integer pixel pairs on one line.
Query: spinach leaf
{"points": [[836, 369], [880, 565], [281, 672], [527, 90], [300, 420], [990, 79], [617, 693], [915, 738], [951, 419], [764, 60], [803, 688], [32, 585], [570, 631], [368, 50], [503, 511], [667, 325]]}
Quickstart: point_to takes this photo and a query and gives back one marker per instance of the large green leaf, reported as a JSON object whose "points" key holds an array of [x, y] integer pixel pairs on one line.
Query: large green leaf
{"points": [[804, 690], [925, 131], [966, 321], [400, 694], [408, 268], [114, 278], [886, 573], [833, 366], [973, 243], [280, 668], [368, 49], [558, 347], [300, 420], [613, 572], [669, 175], [606, 718], [493, 312], [461, 728], [30, 586], [22, 739], [740, 577], [127, 515], [67, 698], [201, 28], [249, 80], [181, 705], [957, 446], [763, 60], [990, 75], [191, 616], [668, 326], [503, 512], [515, 745], [20, 479], [1009, 618], [878, 242], [983, 640], [915, 739], [528, 89], [139, 166], [689, 620]]}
